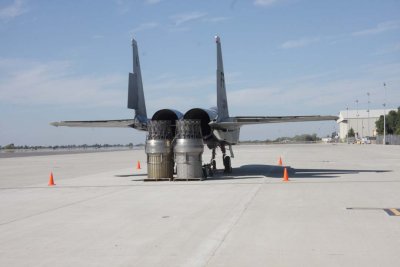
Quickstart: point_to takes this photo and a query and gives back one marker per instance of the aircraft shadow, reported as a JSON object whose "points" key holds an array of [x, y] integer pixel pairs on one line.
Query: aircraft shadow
{"points": [[274, 171], [254, 171], [131, 175]]}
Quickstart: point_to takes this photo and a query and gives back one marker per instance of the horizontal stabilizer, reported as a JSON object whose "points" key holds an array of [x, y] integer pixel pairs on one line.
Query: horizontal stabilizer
{"points": [[104, 123], [247, 120]]}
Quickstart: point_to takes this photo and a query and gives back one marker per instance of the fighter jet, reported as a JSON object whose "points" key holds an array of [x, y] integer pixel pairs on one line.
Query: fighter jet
{"points": [[218, 128]]}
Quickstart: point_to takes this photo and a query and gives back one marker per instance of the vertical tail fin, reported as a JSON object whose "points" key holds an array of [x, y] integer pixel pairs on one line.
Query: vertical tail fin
{"points": [[222, 103], [135, 88]]}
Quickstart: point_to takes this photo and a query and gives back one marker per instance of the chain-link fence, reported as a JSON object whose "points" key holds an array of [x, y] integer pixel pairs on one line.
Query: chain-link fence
{"points": [[390, 139]]}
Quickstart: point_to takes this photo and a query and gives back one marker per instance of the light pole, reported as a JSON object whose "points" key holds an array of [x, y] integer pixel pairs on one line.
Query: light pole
{"points": [[369, 130], [348, 125], [384, 115], [357, 118], [362, 128]]}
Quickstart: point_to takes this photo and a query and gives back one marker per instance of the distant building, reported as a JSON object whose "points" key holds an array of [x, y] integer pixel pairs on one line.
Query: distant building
{"points": [[362, 121]]}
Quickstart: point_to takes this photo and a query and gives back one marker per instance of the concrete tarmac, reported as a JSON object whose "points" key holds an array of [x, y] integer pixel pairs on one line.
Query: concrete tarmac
{"points": [[102, 213]]}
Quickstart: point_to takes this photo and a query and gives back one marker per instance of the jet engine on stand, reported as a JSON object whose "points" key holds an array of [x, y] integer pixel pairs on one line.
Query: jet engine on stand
{"points": [[160, 161], [188, 148]]}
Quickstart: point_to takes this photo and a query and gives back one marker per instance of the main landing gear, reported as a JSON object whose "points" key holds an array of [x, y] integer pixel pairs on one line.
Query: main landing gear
{"points": [[225, 159]]}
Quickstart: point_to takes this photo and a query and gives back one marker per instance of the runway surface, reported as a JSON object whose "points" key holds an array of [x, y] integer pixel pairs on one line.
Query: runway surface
{"points": [[338, 209], [50, 152]]}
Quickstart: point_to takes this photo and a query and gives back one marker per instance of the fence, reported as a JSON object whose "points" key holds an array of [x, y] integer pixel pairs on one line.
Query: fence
{"points": [[390, 139]]}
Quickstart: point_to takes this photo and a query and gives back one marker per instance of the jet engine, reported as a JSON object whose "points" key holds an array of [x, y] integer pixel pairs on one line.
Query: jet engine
{"points": [[168, 115], [204, 116]]}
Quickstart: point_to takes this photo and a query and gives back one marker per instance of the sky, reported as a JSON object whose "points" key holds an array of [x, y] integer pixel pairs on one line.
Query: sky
{"points": [[69, 60]]}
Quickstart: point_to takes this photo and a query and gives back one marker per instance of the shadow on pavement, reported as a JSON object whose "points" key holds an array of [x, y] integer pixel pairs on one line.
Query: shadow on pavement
{"points": [[274, 171], [131, 175], [254, 171]]}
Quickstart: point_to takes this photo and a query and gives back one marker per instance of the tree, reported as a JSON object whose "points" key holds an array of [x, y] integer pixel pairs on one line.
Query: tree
{"points": [[392, 123], [305, 137], [9, 146], [351, 133]]}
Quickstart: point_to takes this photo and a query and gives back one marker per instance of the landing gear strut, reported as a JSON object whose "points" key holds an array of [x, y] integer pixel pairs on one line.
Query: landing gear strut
{"points": [[226, 160], [213, 162], [212, 167]]}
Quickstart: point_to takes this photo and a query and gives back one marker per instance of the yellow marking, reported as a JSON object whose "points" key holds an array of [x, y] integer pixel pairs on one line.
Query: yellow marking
{"points": [[396, 212]]}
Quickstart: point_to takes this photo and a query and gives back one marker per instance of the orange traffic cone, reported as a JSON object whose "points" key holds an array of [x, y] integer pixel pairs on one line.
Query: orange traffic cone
{"points": [[51, 180], [138, 165], [280, 161], [285, 175]]}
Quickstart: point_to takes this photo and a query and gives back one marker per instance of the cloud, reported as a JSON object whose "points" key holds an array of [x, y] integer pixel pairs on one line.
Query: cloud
{"points": [[152, 2], [215, 19], [265, 3], [30, 83], [319, 93], [174, 83], [340, 88], [333, 39], [145, 26], [54, 83], [180, 103], [180, 19], [393, 48], [13, 10], [299, 42], [123, 6], [380, 28], [179, 92], [254, 97]]}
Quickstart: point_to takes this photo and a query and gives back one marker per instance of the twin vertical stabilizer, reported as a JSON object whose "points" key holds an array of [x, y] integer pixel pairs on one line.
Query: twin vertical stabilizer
{"points": [[135, 88], [222, 103]]}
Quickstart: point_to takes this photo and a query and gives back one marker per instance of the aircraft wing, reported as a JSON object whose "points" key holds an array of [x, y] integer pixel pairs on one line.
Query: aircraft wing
{"points": [[103, 123], [247, 120]]}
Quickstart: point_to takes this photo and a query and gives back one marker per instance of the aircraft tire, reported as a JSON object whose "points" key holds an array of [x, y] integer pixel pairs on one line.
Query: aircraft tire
{"points": [[227, 164], [214, 165]]}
